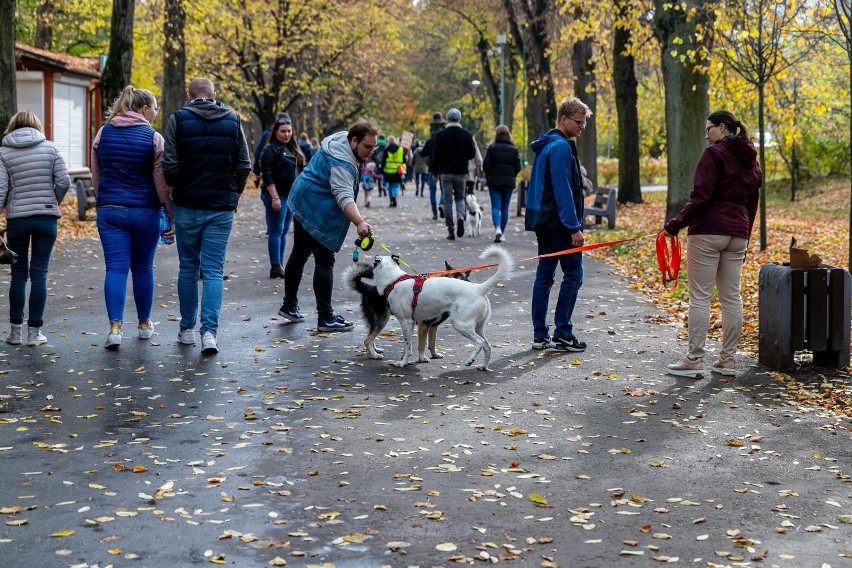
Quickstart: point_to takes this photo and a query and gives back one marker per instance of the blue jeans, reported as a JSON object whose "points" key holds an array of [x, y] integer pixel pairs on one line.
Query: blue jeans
{"points": [[40, 231], [572, 280], [202, 239], [420, 181], [501, 197], [129, 238], [433, 194], [393, 189], [277, 226]]}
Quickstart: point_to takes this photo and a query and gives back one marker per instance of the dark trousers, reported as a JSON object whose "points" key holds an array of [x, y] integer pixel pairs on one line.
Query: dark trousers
{"points": [[304, 245]]}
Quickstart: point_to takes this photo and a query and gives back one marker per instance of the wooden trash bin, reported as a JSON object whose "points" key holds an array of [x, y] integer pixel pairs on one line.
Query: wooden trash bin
{"points": [[804, 309]]}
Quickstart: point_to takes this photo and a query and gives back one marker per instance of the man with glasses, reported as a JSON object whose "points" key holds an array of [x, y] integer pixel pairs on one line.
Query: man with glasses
{"points": [[206, 161], [323, 202], [554, 210]]}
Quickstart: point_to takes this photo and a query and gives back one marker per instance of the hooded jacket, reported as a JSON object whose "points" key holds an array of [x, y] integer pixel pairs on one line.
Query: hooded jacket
{"points": [[554, 198], [33, 175], [206, 159], [327, 184], [725, 191]]}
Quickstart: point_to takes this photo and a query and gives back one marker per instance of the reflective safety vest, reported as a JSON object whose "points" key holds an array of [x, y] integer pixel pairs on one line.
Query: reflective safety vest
{"points": [[393, 160]]}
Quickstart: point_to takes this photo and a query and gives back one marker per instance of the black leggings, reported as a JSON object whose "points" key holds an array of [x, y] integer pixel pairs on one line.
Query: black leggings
{"points": [[304, 245]]}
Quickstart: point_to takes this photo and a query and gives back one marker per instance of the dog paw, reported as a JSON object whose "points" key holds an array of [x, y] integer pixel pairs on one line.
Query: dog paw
{"points": [[483, 368], [437, 356], [377, 356], [400, 364], [379, 350], [423, 360]]}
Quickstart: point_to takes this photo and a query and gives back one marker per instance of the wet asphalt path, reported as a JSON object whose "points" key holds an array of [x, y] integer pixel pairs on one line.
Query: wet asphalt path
{"points": [[293, 446]]}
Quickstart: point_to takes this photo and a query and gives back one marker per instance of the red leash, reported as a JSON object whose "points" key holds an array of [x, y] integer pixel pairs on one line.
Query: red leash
{"points": [[668, 259], [558, 253]]}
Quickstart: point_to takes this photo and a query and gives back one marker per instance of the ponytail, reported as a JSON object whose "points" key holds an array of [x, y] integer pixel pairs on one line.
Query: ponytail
{"points": [[130, 100]]}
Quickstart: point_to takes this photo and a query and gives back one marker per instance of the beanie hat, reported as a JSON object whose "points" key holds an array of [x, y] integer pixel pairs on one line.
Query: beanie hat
{"points": [[454, 115]]}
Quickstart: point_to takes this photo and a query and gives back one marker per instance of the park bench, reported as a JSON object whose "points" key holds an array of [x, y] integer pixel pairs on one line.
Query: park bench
{"points": [[603, 206]]}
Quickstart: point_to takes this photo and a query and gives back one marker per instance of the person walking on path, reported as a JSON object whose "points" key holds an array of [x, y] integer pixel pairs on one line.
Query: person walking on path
{"points": [[281, 162], [501, 165], [393, 169], [420, 167], [720, 215], [323, 201], [206, 161], [127, 177], [257, 153], [435, 126], [454, 148], [554, 210], [33, 182]]}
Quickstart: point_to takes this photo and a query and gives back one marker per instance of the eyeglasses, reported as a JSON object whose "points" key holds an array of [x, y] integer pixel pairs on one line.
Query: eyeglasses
{"points": [[580, 124], [284, 121], [707, 129], [368, 147]]}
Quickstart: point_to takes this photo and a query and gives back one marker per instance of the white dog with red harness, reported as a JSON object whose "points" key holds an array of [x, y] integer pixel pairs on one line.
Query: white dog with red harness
{"points": [[464, 304]]}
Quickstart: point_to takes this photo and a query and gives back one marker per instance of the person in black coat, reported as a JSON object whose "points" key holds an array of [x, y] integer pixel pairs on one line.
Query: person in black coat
{"points": [[281, 161], [501, 165]]}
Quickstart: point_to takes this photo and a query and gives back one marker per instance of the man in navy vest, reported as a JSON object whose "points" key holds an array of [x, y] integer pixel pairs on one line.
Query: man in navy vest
{"points": [[206, 161]]}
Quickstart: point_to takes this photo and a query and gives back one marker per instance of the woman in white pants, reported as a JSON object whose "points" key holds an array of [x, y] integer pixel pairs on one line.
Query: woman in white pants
{"points": [[720, 215]]}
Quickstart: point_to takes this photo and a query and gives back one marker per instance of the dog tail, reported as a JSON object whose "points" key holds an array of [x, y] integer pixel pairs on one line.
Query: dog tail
{"points": [[353, 275], [505, 266]]}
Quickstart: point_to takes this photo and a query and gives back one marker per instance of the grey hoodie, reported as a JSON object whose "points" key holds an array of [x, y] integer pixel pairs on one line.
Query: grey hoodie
{"points": [[33, 175]]}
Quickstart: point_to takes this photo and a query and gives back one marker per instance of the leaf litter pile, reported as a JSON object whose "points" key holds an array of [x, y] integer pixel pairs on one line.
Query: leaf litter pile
{"points": [[291, 448]]}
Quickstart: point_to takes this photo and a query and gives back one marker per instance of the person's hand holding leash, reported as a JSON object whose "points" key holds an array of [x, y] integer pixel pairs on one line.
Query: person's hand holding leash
{"points": [[577, 239], [363, 228]]}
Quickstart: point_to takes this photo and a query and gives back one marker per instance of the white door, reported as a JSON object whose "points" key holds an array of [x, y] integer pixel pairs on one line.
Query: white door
{"points": [[69, 120]]}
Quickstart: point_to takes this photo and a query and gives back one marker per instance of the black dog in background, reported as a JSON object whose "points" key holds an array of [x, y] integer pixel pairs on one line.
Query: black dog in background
{"points": [[376, 314]]}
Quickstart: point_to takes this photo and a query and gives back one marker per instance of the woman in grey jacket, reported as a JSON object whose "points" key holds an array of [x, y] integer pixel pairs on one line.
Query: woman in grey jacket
{"points": [[33, 182]]}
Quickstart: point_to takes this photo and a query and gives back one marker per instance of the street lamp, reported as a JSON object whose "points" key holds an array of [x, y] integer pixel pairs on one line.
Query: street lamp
{"points": [[501, 41]]}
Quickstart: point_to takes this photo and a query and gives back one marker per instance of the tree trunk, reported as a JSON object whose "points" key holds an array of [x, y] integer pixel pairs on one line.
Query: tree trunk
{"points": [[174, 61], [761, 126], [586, 90], [540, 111], [44, 24], [687, 99], [626, 99], [120, 59], [8, 89]]}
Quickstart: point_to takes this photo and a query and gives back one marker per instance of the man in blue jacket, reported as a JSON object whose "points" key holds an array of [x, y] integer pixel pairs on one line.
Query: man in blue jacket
{"points": [[323, 202], [554, 210], [206, 161]]}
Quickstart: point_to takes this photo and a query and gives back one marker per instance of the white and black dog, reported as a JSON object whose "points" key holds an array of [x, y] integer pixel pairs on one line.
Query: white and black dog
{"points": [[464, 304], [474, 215], [376, 314]]}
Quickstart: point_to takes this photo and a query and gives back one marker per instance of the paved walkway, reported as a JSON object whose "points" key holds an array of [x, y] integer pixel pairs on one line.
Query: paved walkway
{"points": [[293, 446]]}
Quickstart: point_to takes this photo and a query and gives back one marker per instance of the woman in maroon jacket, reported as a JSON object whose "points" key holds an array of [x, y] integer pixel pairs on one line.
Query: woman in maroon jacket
{"points": [[720, 214]]}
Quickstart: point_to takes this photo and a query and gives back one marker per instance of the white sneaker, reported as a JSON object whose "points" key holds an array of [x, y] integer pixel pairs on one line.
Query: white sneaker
{"points": [[208, 343], [146, 330], [16, 335], [498, 235], [187, 336], [113, 340], [35, 337]]}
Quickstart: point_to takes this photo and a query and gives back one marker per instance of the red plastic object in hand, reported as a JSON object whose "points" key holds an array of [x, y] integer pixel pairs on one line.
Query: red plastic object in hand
{"points": [[668, 258]]}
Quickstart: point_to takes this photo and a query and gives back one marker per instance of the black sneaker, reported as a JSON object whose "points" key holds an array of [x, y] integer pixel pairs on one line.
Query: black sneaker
{"points": [[293, 314], [568, 344], [540, 343], [337, 323], [460, 228]]}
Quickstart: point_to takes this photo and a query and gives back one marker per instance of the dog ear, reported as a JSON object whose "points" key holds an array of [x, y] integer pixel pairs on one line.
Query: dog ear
{"points": [[377, 260], [447, 264], [395, 258]]}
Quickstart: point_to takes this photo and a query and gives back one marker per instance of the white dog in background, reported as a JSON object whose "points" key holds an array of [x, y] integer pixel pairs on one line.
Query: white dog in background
{"points": [[464, 304], [474, 215]]}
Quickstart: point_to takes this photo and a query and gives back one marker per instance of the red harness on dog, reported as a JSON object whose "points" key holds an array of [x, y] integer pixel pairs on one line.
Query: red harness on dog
{"points": [[418, 286]]}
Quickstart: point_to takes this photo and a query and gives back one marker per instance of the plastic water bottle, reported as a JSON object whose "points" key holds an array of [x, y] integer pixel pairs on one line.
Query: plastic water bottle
{"points": [[165, 225]]}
